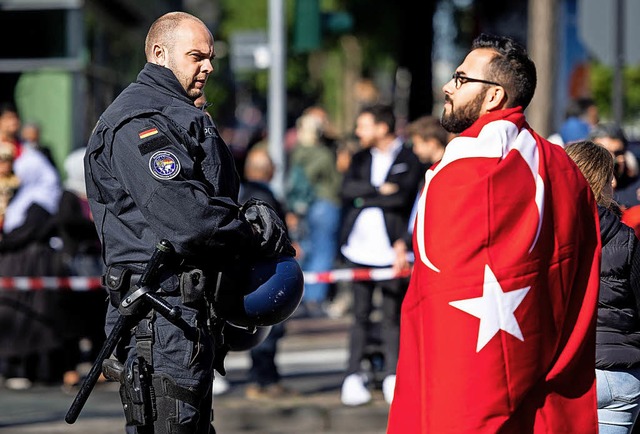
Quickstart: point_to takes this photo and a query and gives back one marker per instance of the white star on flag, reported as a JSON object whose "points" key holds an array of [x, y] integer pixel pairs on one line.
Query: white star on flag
{"points": [[495, 309]]}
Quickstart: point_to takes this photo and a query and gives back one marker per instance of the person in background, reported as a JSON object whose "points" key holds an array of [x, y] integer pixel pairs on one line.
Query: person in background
{"points": [[580, 118], [498, 323], [81, 254], [312, 195], [32, 164], [24, 250], [328, 133], [76, 228], [428, 140], [30, 135], [32, 321], [618, 327], [264, 377], [344, 153], [377, 193], [626, 169], [340, 295], [9, 182]]}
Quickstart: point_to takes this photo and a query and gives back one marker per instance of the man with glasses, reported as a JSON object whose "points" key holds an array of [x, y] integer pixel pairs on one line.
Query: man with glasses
{"points": [[626, 170], [497, 326]]}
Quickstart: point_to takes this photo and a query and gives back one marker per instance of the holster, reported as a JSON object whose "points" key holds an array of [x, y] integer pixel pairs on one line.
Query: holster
{"points": [[120, 282], [192, 286], [136, 390], [150, 400], [116, 280]]}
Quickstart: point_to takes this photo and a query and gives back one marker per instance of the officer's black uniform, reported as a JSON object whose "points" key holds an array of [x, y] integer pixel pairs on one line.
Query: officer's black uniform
{"points": [[157, 168]]}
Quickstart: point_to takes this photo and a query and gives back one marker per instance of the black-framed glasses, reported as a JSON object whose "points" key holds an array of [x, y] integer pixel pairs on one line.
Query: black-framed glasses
{"points": [[618, 152], [459, 80]]}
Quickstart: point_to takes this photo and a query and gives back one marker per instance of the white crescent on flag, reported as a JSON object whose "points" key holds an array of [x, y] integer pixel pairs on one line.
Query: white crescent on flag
{"points": [[495, 140]]}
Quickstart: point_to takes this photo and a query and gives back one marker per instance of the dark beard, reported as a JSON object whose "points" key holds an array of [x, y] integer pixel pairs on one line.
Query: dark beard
{"points": [[459, 120]]}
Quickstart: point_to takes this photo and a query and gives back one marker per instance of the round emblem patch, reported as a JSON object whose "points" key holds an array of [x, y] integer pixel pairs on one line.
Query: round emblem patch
{"points": [[164, 165]]}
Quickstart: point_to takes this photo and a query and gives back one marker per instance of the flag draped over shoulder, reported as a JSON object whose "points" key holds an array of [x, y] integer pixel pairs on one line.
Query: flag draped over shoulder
{"points": [[498, 324]]}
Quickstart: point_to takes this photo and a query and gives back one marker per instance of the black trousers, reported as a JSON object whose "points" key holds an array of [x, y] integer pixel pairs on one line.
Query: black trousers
{"points": [[263, 369], [188, 362], [393, 292]]}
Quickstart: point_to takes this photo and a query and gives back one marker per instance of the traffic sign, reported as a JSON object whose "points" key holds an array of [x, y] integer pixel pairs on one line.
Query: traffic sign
{"points": [[597, 28]]}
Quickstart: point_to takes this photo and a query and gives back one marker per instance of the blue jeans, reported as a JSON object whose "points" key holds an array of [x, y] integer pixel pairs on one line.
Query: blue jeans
{"points": [[618, 398], [320, 246]]}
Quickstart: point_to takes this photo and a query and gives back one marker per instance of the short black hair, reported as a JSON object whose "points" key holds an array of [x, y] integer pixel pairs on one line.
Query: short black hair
{"points": [[578, 107], [511, 67], [609, 130], [428, 127], [382, 113]]}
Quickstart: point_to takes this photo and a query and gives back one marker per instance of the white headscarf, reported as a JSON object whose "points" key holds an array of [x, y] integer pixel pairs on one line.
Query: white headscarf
{"points": [[74, 167], [39, 184]]}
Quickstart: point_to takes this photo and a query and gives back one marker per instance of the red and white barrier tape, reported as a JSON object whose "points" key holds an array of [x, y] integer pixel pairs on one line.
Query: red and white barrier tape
{"points": [[93, 283], [354, 274], [48, 283]]}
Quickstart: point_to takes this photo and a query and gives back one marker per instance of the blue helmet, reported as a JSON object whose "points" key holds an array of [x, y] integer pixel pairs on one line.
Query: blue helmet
{"points": [[268, 293], [242, 338]]}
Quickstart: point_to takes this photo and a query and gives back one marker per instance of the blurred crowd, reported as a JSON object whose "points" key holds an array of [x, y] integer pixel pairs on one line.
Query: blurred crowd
{"points": [[46, 230], [349, 202]]}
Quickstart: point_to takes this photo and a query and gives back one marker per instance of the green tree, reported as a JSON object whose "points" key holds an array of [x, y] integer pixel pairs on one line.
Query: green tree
{"points": [[316, 76], [602, 88]]}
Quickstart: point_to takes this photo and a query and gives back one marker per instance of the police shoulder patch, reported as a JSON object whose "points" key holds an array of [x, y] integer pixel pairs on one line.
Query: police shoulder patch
{"points": [[164, 165]]}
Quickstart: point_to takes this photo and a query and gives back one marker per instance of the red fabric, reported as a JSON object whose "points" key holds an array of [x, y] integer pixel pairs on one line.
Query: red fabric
{"points": [[631, 217], [18, 146], [534, 373]]}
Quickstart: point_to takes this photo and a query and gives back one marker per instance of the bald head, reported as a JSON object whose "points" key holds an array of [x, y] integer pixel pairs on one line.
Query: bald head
{"points": [[163, 31], [182, 43], [258, 166]]}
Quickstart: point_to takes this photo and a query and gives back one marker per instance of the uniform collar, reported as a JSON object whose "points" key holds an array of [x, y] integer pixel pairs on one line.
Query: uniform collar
{"points": [[164, 80]]}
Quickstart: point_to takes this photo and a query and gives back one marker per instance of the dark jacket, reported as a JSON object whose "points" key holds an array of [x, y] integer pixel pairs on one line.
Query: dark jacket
{"points": [[408, 237], [261, 191], [156, 167], [358, 192], [626, 192], [618, 327], [75, 226]]}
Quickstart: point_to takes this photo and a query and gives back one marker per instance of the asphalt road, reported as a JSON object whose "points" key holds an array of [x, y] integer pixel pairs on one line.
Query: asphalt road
{"points": [[312, 359]]}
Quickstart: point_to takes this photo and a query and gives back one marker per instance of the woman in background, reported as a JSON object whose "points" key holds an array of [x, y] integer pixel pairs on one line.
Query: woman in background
{"points": [[618, 326]]}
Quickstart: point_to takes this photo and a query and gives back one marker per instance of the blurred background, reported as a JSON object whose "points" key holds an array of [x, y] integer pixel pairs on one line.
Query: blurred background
{"points": [[284, 70], [63, 61]]}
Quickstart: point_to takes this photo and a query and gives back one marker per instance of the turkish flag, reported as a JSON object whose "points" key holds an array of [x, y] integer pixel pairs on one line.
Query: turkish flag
{"points": [[498, 324]]}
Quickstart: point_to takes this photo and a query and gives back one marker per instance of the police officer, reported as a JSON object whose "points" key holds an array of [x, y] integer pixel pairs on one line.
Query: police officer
{"points": [[157, 168]]}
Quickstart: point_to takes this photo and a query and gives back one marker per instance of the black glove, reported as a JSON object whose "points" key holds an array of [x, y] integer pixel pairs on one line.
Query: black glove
{"points": [[269, 228]]}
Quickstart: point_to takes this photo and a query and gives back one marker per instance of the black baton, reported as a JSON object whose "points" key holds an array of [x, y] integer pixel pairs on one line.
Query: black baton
{"points": [[160, 255]]}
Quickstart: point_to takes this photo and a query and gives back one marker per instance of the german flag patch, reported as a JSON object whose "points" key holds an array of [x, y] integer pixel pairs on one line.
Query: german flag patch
{"points": [[148, 133]]}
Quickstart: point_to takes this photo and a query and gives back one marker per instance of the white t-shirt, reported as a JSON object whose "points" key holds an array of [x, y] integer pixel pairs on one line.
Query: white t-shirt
{"points": [[368, 242]]}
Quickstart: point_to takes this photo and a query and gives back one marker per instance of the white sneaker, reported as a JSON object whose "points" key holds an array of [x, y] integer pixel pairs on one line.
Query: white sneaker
{"points": [[354, 392], [388, 387], [220, 386], [18, 383]]}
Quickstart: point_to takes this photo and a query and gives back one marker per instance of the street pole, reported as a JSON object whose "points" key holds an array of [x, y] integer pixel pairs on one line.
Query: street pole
{"points": [[542, 46], [618, 80], [277, 94]]}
